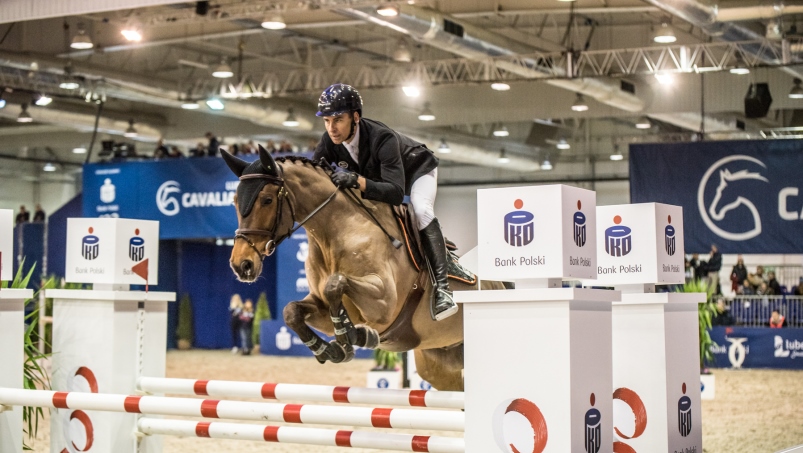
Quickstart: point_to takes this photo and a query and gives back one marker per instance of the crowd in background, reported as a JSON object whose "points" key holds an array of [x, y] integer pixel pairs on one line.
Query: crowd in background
{"points": [[24, 216], [214, 145]]}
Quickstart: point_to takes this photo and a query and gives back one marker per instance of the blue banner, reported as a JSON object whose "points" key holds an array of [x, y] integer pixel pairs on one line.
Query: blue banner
{"points": [[275, 338], [751, 347], [744, 196], [291, 276]]}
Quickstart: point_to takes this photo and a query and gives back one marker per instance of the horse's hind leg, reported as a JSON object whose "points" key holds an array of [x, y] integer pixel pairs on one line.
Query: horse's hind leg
{"points": [[345, 331], [296, 316], [443, 368]]}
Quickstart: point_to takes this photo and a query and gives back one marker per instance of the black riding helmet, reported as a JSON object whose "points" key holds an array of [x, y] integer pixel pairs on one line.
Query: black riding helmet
{"points": [[339, 98]]}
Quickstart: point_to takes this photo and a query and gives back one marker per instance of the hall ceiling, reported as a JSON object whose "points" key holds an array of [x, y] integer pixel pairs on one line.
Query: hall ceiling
{"points": [[327, 41]]}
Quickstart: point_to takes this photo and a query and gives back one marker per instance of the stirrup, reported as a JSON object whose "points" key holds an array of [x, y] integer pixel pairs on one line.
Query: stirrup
{"points": [[444, 314]]}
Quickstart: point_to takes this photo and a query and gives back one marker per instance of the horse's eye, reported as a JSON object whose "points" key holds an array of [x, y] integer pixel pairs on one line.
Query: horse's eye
{"points": [[267, 201]]}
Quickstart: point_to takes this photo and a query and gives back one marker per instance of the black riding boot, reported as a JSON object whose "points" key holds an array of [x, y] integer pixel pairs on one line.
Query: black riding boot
{"points": [[435, 247]]}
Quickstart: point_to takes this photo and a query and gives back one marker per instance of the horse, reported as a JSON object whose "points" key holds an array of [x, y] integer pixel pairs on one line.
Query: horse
{"points": [[364, 291]]}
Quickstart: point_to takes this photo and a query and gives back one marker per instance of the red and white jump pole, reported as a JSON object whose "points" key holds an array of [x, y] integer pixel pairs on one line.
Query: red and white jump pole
{"points": [[297, 435], [299, 392], [238, 410]]}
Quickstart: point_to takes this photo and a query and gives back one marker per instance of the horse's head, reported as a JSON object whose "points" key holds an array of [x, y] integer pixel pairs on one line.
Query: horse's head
{"points": [[260, 201], [726, 177]]}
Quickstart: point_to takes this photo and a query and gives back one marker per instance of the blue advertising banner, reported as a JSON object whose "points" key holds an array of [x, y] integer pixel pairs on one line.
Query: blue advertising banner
{"points": [[751, 347], [277, 339], [744, 196], [291, 277]]}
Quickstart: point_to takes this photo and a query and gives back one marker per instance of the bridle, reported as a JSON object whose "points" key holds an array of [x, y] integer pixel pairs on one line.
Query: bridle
{"points": [[273, 242]]}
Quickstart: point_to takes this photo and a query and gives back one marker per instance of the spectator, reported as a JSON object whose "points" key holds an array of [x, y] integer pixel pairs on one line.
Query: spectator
{"points": [[250, 148], [235, 309], [723, 316], [39, 214], [175, 153], [773, 284], [756, 279], [713, 267], [764, 290], [285, 147], [747, 288], [246, 326], [798, 291], [161, 150], [23, 216], [738, 275], [698, 267], [199, 151], [777, 320], [271, 147], [235, 150], [214, 144], [312, 145]]}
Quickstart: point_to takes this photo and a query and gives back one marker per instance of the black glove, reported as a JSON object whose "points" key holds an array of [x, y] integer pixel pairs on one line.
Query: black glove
{"points": [[346, 179]]}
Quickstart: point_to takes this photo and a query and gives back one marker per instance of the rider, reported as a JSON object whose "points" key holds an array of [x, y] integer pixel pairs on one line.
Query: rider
{"points": [[385, 166]]}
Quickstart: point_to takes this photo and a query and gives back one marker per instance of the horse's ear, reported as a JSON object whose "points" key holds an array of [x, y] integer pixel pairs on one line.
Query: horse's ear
{"points": [[267, 161], [235, 164]]}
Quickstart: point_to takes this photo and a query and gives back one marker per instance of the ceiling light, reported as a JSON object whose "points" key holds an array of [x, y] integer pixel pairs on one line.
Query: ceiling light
{"points": [[291, 120], [131, 34], [740, 70], [81, 41], [49, 167], [546, 165], [2, 103], [223, 70], [426, 114], [69, 85], [503, 159], [665, 35], [43, 100], [411, 91], [444, 147], [214, 104], [190, 105], [563, 144], [499, 86], [387, 11], [664, 79], [24, 116], [275, 22], [797, 90], [79, 150], [579, 104], [501, 132], [617, 155], [402, 53], [643, 123], [131, 131]]}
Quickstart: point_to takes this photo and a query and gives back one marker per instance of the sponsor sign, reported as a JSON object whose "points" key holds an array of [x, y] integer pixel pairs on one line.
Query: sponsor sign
{"points": [[536, 232], [745, 196], [751, 347], [640, 244], [6, 244], [113, 251]]}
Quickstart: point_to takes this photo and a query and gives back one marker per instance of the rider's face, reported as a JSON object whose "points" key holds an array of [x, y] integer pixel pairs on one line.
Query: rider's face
{"points": [[339, 127]]}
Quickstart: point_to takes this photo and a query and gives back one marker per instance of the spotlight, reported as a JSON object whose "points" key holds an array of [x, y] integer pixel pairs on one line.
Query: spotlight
{"points": [[79, 150], [223, 70], [617, 155], [797, 91], [665, 35], [214, 104], [739, 70], [2, 103], [291, 120], [24, 116], [131, 34], [664, 79], [501, 132], [190, 105], [402, 53], [81, 41], [563, 144], [643, 123], [579, 104], [546, 165], [49, 167], [499, 86], [411, 91], [69, 85], [131, 131], [426, 114], [444, 147], [42, 100], [387, 11], [503, 159], [275, 22]]}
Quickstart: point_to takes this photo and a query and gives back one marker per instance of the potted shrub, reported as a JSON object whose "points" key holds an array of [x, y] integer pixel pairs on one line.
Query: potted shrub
{"points": [[386, 374], [184, 331], [262, 312]]}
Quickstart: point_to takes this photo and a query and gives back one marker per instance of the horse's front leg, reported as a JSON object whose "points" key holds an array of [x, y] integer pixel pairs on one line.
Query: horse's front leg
{"points": [[344, 328], [312, 310], [368, 295]]}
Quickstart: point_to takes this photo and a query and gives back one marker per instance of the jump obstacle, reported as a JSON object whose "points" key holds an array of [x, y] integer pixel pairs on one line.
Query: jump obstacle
{"points": [[554, 399]]}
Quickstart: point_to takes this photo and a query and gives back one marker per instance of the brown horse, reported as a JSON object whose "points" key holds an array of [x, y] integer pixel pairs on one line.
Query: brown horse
{"points": [[359, 283]]}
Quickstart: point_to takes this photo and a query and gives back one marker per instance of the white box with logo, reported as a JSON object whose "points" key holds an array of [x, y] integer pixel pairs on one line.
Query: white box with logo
{"points": [[639, 244], [112, 251], [536, 232]]}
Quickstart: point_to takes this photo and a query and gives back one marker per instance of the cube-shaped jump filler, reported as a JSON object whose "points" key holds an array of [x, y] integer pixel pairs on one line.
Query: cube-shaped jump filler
{"points": [[112, 251], [6, 244], [538, 232], [640, 244]]}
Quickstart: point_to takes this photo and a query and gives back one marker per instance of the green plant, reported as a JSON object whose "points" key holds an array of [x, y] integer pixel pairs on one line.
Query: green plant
{"points": [[386, 360], [705, 312], [185, 331], [34, 376], [262, 312]]}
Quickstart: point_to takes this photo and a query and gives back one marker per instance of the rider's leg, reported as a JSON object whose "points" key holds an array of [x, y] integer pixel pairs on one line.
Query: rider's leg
{"points": [[422, 198]]}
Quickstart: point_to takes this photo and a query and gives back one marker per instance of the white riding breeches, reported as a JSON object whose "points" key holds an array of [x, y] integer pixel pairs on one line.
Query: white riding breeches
{"points": [[422, 197]]}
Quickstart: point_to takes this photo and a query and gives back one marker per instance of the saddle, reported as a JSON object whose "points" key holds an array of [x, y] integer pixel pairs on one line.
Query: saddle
{"points": [[405, 216]]}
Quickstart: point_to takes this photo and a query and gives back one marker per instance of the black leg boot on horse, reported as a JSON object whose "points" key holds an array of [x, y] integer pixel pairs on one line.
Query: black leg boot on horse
{"points": [[441, 302]]}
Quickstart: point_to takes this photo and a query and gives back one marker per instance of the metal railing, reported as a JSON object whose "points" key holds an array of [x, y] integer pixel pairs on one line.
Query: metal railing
{"points": [[755, 311]]}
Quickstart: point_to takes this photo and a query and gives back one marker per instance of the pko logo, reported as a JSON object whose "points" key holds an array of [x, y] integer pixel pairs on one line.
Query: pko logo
{"points": [[729, 195], [593, 428], [136, 247], [684, 413], [519, 424], [579, 226], [168, 204], [90, 245], [519, 228], [669, 237], [618, 241]]}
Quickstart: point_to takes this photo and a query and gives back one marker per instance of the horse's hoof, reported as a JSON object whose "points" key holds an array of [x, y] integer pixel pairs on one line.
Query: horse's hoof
{"points": [[349, 352]]}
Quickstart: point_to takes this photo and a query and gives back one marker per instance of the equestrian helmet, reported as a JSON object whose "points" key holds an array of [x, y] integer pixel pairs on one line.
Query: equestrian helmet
{"points": [[339, 98]]}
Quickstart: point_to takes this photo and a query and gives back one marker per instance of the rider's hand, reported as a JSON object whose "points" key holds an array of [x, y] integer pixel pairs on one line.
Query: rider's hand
{"points": [[346, 179]]}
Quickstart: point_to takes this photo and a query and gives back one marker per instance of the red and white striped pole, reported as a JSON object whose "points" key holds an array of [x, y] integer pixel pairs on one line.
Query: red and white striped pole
{"points": [[239, 410], [302, 392], [297, 435]]}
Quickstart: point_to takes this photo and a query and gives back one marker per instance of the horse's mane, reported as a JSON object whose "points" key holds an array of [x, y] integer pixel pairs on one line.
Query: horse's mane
{"points": [[305, 161]]}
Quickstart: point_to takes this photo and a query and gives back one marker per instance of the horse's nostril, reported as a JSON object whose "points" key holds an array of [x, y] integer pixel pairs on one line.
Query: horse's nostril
{"points": [[247, 266]]}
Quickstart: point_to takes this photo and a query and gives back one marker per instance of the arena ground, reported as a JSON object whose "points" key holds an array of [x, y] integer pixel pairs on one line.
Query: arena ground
{"points": [[755, 411]]}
